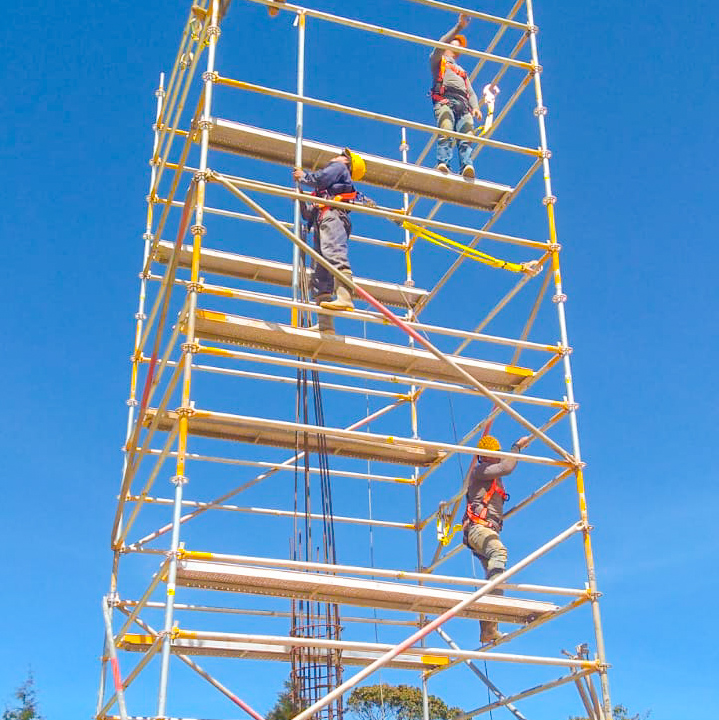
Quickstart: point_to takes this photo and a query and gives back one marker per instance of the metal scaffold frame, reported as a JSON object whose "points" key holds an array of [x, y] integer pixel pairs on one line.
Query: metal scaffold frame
{"points": [[185, 335]]}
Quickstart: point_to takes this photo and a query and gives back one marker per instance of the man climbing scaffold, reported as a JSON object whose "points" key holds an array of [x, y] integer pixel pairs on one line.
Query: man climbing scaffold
{"points": [[483, 517]]}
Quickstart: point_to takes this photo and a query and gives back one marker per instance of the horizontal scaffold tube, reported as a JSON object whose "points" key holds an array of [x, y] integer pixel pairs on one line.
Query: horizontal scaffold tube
{"points": [[318, 258], [372, 572], [262, 613], [473, 13], [369, 316], [388, 32], [369, 115], [397, 216], [311, 642], [371, 375], [437, 622], [275, 513]]}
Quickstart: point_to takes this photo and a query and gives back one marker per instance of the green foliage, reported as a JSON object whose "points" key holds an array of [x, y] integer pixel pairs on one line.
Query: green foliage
{"points": [[284, 708], [401, 702], [28, 709], [621, 713]]}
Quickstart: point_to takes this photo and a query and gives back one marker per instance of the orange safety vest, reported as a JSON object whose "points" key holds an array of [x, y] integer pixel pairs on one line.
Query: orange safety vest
{"points": [[438, 88]]}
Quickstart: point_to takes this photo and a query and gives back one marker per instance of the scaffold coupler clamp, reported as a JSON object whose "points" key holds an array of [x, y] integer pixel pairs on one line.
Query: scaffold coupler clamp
{"points": [[549, 200], [559, 298]]}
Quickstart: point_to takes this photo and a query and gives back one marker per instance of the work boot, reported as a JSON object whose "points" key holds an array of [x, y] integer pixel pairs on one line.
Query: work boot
{"points": [[468, 171], [442, 167], [344, 297], [488, 632]]}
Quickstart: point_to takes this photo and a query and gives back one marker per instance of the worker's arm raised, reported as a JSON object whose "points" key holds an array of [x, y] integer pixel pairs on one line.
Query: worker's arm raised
{"points": [[436, 55]]}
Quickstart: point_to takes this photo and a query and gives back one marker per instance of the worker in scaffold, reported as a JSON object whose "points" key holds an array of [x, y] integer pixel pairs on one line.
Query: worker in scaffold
{"points": [[332, 228], [455, 103], [483, 517]]}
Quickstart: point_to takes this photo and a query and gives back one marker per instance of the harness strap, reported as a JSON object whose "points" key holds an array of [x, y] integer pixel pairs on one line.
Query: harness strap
{"points": [[342, 197], [438, 90], [481, 517]]}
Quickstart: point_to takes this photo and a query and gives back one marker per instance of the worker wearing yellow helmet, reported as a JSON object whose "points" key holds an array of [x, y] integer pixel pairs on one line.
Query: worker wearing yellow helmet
{"points": [[483, 517], [454, 100], [332, 228]]}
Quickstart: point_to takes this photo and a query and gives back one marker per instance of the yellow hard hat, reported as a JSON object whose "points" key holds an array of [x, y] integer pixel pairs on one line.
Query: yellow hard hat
{"points": [[357, 164], [489, 442]]}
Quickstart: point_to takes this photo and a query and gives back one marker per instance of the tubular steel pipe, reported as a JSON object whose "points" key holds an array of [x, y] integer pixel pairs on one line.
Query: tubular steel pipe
{"points": [[371, 115], [402, 325], [525, 694], [298, 158], [228, 559], [257, 479], [372, 375], [437, 622], [549, 201], [315, 642], [282, 513], [276, 466], [387, 32], [495, 690], [112, 650], [204, 674], [472, 13]]}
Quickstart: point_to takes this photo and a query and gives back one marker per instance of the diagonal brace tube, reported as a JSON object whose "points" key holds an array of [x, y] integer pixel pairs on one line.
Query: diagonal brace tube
{"points": [[393, 318]]}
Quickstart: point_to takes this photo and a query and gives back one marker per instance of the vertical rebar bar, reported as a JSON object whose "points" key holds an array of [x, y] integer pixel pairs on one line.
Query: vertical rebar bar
{"points": [[559, 300]]}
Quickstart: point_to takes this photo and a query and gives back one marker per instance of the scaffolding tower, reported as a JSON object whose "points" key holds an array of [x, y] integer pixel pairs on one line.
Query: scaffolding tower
{"points": [[222, 338]]}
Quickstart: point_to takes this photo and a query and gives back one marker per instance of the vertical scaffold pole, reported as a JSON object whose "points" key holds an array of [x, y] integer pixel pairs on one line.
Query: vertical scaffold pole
{"points": [[559, 300], [188, 350], [298, 158], [404, 148], [132, 398]]}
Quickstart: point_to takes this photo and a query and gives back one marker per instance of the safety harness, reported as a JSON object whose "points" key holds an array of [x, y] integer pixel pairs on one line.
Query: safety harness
{"points": [[438, 90], [495, 488], [340, 197]]}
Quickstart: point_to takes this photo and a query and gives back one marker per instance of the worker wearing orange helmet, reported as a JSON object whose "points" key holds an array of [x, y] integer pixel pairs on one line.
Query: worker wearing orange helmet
{"points": [[455, 102], [332, 228], [483, 517]]}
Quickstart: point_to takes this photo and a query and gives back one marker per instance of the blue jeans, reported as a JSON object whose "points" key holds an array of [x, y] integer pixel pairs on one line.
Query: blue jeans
{"points": [[447, 119], [330, 240]]}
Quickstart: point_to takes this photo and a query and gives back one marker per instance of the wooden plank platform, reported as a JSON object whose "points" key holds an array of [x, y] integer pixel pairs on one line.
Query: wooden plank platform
{"points": [[266, 648], [347, 350], [405, 177], [355, 591], [278, 273], [277, 433]]}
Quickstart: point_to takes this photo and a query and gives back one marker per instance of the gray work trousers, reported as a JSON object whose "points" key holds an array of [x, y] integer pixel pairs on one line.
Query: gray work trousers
{"points": [[487, 548], [330, 241]]}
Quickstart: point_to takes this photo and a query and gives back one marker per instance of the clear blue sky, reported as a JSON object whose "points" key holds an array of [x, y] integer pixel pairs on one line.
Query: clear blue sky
{"points": [[631, 91]]}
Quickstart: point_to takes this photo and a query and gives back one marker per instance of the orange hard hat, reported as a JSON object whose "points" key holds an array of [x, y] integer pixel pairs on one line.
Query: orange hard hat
{"points": [[461, 40], [488, 442]]}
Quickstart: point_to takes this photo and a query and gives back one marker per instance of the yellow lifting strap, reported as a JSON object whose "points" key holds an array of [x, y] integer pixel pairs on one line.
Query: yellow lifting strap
{"points": [[467, 251]]}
